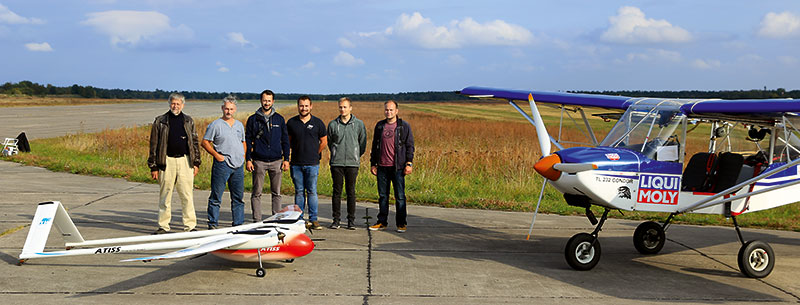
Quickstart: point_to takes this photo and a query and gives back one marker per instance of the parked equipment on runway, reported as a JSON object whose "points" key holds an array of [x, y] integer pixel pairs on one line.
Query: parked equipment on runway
{"points": [[639, 166], [279, 237]]}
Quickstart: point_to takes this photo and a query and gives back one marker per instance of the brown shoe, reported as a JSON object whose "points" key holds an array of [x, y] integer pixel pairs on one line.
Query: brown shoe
{"points": [[315, 225], [377, 227]]}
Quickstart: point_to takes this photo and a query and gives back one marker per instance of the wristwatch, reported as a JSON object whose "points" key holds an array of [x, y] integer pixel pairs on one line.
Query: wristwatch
{"points": [[408, 164]]}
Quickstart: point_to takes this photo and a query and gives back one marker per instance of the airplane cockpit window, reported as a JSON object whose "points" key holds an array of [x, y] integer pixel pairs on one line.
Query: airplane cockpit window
{"points": [[649, 127]]}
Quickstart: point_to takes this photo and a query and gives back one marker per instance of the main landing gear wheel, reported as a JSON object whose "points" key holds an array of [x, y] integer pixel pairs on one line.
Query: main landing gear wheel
{"points": [[649, 238], [291, 260], [756, 259], [580, 253], [260, 272]]}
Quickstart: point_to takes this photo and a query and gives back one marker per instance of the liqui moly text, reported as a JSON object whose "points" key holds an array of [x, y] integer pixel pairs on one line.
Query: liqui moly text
{"points": [[658, 189]]}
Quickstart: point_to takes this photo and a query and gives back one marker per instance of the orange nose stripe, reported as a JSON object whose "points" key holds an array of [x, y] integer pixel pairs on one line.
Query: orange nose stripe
{"points": [[545, 167]]}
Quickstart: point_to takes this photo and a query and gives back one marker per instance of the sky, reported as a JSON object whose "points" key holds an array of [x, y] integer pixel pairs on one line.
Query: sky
{"points": [[330, 46]]}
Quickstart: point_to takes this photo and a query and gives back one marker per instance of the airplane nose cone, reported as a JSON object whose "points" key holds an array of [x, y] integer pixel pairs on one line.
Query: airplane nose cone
{"points": [[545, 167]]}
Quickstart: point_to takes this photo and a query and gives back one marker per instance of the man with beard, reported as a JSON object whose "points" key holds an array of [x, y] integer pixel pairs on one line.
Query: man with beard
{"points": [[174, 160], [267, 152], [307, 138]]}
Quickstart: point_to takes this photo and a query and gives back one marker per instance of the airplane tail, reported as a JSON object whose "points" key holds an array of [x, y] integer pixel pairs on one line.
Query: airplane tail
{"points": [[47, 214]]}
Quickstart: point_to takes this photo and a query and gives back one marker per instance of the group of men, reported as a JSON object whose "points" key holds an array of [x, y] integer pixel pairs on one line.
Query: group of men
{"points": [[268, 145]]}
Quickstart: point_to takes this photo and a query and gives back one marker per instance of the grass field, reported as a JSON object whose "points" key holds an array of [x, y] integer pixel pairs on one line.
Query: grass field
{"points": [[471, 155]]}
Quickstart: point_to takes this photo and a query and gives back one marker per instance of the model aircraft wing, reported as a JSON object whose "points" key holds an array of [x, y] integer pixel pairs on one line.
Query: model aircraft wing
{"points": [[561, 98], [204, 246]]}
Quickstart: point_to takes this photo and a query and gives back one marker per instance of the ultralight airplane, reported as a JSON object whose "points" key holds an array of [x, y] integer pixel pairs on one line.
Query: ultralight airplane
{"points": [[279, 237], [639, 165]]}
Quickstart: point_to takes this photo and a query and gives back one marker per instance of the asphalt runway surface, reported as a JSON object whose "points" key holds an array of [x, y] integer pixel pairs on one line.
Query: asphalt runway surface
{"points": [[448, 256]]}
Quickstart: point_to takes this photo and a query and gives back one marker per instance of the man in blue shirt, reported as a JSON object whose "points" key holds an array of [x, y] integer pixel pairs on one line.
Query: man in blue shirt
{"points": [[307, 138], [225, 141]]}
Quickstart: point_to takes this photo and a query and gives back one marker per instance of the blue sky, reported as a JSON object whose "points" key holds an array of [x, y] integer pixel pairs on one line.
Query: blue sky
{"points": [[399, 46]]}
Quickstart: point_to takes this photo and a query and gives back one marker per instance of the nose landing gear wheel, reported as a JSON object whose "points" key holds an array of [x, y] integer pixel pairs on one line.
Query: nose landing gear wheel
{"points": [[580, 253], [756, 259], [260, 272], [649, 238]]}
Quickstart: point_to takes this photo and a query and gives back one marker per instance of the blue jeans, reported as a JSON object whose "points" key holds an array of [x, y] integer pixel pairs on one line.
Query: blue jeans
{"points": [[220, 174], [304, 178], [386, 175]]}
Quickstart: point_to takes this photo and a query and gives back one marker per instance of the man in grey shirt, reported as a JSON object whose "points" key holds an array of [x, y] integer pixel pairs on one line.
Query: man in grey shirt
{"points": [[225, 141]]}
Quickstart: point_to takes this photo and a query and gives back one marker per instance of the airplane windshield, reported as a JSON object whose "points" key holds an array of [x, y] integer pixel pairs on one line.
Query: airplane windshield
{"points": [[648, 127]]}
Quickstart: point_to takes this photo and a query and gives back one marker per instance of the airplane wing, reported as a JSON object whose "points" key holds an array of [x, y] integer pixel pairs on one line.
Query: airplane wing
{"points": [[207, 245], [588, 100], [763, 110]]}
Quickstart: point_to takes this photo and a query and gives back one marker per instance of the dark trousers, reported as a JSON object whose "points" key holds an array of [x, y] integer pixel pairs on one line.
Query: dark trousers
{"points": [[389, 175], [347, 175]]}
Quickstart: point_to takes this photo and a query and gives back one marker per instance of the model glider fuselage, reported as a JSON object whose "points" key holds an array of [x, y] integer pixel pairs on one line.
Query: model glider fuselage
{"points": [[280, 237]]}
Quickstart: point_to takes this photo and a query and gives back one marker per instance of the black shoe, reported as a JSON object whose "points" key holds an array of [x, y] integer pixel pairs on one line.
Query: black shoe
{"points": [[212, 227], [335, 225], [159, 231], [193, 230], [350, 225]]}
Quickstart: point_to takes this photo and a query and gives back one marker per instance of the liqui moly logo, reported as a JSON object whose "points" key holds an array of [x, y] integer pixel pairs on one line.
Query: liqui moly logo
{"points": [[612, 156], [658, 189]]}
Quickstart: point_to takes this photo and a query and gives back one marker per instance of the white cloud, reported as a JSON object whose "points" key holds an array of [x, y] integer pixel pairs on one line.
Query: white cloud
{"points": [[308, 65], [7, 16], [223, 69], [422, 32], [315, 49], [345, 43], [131, 28], [275, 73], [653, 55], [39, 47], [238, 38], [455, 60], [706, 64], [346, 59], [630, 26], [782, 25], [788, 60]]}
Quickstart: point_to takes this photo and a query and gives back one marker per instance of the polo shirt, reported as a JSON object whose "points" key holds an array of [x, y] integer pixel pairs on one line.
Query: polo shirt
{"points": [[304, 140]]}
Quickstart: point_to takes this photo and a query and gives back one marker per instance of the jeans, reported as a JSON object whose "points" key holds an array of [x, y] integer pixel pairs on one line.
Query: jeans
{"points": [[304, 178], [346, 175], [386, 175], [220, 174]]}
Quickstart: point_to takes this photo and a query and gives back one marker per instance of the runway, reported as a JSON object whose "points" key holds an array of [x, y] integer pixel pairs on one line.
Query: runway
{"points": [[448, 256]]}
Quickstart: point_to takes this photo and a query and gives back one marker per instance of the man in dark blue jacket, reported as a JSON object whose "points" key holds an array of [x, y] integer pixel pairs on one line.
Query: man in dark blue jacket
{"points": [[391, 160], [267, 152]]}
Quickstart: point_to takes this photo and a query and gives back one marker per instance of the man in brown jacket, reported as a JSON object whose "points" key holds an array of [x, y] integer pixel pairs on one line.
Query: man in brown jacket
{"points": [[174, 160]]}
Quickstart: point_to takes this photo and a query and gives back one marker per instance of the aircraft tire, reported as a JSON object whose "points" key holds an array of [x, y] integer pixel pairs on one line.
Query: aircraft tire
{"points": [[580, 253], [756, 259], [649, 238], [260, 272], [291, 260]]}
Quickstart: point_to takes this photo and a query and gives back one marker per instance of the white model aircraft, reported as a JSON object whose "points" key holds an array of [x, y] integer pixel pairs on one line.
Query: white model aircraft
{"points": [[279, 237], [639, 166]]}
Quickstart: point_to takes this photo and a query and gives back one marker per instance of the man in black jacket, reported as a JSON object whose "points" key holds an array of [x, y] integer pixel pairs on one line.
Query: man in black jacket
{"points": [[267, 152], [391, 160], [174, 160]]}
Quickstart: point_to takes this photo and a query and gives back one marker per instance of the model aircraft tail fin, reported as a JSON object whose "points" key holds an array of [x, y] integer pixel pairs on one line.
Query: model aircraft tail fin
{"points": [[47, 214]]}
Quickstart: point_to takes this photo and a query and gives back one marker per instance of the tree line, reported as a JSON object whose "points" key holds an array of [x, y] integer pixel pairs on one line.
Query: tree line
{"points": [[29, 88], [34, 89]]}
